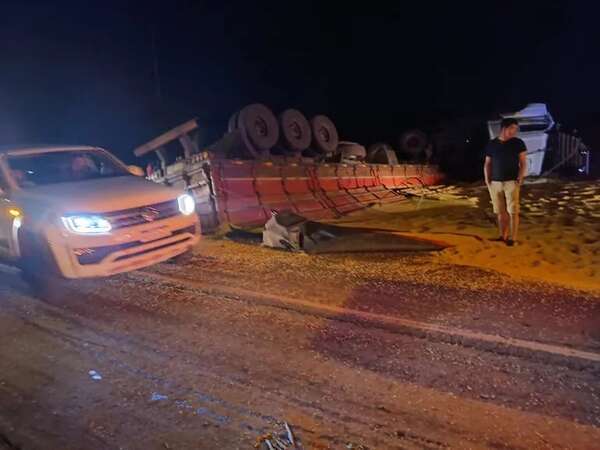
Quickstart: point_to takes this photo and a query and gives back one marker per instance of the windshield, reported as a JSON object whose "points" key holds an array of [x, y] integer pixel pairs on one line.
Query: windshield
{"points": [[63, 167]]}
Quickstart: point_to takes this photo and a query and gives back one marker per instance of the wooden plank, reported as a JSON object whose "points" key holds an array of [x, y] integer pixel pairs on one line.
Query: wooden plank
{"points": [[165, 138]]}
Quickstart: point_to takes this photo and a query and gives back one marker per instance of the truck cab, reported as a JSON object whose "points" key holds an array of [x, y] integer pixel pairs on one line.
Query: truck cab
{"points": [[79, 212]]}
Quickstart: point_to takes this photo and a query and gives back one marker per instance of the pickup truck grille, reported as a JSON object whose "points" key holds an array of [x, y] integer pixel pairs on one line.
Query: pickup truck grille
{"points": [[144, 214], [95, 255]]}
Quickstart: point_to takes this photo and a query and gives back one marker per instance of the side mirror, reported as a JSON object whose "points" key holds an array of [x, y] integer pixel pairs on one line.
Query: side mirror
{"points": [[136, 171]]}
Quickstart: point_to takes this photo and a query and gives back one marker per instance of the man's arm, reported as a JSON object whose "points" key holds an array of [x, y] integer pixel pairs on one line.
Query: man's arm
{"points": [[522, 167], [487, 169]]}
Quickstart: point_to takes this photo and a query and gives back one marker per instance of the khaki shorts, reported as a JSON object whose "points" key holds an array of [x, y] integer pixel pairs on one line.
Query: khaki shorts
{"points": [[505, 196]]}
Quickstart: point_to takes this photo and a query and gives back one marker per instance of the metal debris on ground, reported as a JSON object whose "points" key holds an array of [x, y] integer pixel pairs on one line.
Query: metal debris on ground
{"points": [[352, 446], [289, 433], [95, 375], [284, 230], [278, 441], [157, 397]]}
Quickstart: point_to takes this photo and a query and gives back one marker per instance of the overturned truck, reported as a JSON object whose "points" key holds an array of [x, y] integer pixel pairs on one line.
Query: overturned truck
{"points": [[286, 163]]}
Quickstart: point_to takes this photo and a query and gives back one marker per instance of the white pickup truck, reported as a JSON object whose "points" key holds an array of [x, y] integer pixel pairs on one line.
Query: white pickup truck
{"points": [[79, 212]]}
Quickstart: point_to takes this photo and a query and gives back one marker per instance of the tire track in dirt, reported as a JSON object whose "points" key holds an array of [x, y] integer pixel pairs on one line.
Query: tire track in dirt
{"points": [[100, 346], [143, 355], [542, 352]]}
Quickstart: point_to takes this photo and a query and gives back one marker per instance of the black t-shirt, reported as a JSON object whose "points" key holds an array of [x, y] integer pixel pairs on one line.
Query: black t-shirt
{"points": [[505, 158]]}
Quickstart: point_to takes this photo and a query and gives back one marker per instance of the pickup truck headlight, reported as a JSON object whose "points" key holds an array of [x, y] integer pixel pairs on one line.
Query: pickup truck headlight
{"points": [[187, 204], [84, 224]]}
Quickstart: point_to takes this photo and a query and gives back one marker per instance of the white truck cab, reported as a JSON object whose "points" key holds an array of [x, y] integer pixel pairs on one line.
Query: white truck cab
{"points": [[79, 212]]}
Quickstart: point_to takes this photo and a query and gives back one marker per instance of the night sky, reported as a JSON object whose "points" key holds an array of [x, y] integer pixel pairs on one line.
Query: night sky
{"points": [[75, 73]]}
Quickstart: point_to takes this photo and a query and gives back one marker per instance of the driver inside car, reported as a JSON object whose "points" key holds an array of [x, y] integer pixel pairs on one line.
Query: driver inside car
{"points": [[82, 166]]}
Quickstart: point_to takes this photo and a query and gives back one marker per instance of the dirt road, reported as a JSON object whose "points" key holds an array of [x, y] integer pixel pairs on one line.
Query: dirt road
{"points": [[142, 362]]}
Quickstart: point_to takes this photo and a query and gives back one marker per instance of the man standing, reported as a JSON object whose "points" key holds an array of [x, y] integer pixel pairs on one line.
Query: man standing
{"points": [[504, 170]]}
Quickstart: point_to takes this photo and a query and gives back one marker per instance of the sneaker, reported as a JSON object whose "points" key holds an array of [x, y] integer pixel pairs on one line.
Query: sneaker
{"points": [[511, 243]]}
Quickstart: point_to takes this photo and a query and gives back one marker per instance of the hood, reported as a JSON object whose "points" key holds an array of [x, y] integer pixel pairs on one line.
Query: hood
{"points": [[97, 196]]}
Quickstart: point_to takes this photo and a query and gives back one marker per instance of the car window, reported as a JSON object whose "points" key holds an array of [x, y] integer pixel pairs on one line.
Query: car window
{"points": [[38, 169]]}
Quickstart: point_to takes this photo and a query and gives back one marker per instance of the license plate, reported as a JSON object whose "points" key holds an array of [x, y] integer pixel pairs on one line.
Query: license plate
{"points": [[154, 235]]}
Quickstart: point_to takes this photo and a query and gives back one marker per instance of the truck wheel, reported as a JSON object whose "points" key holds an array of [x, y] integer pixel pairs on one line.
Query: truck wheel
{"points": [[413, 143], [351, 151], [382, 153], [259, 125], [296, 134], [324, 133], [232, 125]]}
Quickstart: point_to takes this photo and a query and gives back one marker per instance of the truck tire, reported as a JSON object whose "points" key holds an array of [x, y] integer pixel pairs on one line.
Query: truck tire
{"points": [[259, 126], [381, 153], [325, 135], [249, 150], [296, 133], [351, 151], [413, 143], [232, 125]]}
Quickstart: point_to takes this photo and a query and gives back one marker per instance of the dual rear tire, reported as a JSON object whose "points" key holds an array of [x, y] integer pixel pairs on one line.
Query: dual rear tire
{"points": [[261, 134]]}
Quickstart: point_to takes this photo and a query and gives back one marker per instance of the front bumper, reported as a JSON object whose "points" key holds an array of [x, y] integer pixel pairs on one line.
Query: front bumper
{"points": [[123, 250]]}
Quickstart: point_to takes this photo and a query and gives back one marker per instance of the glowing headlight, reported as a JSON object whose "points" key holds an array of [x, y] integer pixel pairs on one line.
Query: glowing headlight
{"points": [[187, 204], [87, 224]]}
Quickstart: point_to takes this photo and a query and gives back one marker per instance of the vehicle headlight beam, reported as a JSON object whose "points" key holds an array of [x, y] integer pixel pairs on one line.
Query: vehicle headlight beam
{"points": [[187, 204], [87, 224]]}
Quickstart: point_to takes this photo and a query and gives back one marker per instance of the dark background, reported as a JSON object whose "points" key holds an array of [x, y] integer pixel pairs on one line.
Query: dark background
{"points": [[84, 72]]}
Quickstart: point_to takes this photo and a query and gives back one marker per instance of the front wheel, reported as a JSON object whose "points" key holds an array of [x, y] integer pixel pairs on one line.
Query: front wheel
{"points": [[45, 287], [39, 269]]}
